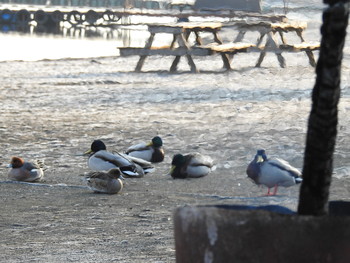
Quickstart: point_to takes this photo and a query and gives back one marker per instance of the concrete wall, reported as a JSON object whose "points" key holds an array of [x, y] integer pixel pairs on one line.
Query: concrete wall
{"points": [[251, 235]]}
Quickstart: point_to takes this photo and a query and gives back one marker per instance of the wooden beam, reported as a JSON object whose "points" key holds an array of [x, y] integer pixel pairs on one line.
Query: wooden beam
{"points": [[180, 51]]}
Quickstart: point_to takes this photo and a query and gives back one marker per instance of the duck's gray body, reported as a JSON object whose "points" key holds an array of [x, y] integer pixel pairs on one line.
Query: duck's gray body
{"points": [[192, 165], [272, 172], [152, 152], [105, 182], [25, 171]]}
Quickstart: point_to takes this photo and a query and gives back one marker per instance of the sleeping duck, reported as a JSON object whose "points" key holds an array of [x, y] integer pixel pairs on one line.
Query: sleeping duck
{"points": [[272, 172], [25, 171], [105, 182], [152, 152], [192, 165], [102, 160]]}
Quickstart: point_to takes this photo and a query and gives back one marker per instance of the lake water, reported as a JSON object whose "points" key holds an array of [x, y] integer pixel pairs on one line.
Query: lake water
{"points": [[31, 47]]}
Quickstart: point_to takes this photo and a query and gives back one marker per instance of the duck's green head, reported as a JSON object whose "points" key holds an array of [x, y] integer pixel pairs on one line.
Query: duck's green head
{"points": [[97, 145], [178, 160], [157, 141]]}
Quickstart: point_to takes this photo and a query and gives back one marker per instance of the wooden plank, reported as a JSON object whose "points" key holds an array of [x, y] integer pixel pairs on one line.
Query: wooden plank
{"points": [[230, 47], [169, 29], [181, 51], [180, 27], [261, 26], [300, 47], [291, 26], [265, 26], [201, 26], [228, 50]]}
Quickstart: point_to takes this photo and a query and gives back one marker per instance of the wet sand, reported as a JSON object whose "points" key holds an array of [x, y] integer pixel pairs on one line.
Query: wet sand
{"points": [[52, 110]]}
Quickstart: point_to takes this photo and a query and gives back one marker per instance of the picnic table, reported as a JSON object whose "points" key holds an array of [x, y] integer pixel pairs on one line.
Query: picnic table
{"points": [[181, 46], [270, 32]]}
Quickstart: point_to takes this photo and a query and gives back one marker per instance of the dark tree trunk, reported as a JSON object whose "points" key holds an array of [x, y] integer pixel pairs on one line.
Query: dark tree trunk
{"points": [[323, 119]]}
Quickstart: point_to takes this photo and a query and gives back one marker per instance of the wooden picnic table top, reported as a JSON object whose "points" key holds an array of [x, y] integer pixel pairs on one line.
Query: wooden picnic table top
{"points": [[177, 27], [258, 25], [290, 26], [201, 25]]}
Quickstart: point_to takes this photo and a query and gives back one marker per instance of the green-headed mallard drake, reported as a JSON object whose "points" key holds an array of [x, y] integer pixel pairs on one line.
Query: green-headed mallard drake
{"points": [[102, 160], [272, 172], [152, 152], [25, 171], [105, 182], [192, 165]]}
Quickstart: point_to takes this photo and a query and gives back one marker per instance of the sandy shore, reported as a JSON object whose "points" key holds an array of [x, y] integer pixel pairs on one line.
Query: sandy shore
{"points": [[53, 110]]}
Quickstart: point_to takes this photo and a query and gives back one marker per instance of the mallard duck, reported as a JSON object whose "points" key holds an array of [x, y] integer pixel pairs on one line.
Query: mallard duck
{"points": [[192, 165], [25, 171], [272, 172], [152, 152], [105, 182], [102, 160]]}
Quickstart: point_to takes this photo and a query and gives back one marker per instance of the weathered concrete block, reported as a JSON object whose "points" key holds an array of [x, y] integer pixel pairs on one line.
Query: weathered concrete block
{"points": [[220, 234], [339, 208]]}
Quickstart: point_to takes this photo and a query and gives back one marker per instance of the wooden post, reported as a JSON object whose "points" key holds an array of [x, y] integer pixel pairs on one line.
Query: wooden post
{"points": [[143, 58], [323, 119]]}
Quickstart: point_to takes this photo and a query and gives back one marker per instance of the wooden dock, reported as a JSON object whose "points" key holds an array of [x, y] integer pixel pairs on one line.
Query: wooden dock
{"points": [[110, 12]]}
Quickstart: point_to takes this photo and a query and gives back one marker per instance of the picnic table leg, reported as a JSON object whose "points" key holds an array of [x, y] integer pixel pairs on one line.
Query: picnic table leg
{"points": [[271, 43], [226, 59], [191, 63], [311, 58], [187, 34], [143, 58], [300, 35], [176, 61], [261, 58], [263, 52], [282, 37], [217, 39], [183, 43], [140, 63], [240, 36], [172, 45], [309, 53], [281, 60], [198, 38], [260, 39]]}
